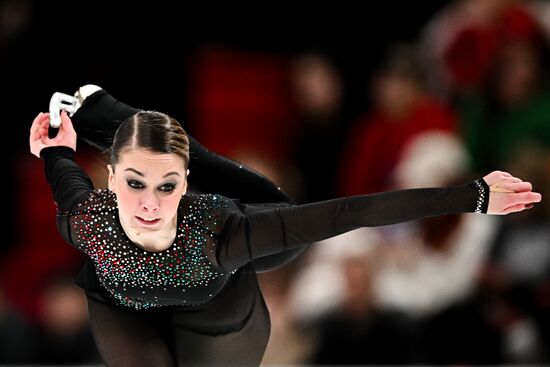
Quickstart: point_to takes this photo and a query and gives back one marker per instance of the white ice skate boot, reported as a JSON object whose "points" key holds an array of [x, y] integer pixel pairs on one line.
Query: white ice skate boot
{"points": [[64, 102]]}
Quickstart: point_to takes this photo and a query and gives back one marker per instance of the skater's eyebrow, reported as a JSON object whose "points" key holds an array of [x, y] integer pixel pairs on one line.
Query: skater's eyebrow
{"points": [[143, 175]]}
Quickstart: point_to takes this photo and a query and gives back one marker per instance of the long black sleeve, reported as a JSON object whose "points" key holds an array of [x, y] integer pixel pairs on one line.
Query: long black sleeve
{"points": [[249, 236], [67, 179], [69, 183]]}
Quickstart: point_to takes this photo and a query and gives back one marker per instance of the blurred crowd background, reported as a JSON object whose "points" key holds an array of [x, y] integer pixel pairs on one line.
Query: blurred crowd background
{"points": [[335, 100]]}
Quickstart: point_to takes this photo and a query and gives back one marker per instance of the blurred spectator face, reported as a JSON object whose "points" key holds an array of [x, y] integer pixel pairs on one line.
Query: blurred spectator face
{"points": [[317, 85], [395, 94], [397, 84], [517, 73]]}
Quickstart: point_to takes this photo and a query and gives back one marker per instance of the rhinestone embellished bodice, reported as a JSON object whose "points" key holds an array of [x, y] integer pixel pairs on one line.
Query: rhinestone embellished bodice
{"points": [[184, 273]]}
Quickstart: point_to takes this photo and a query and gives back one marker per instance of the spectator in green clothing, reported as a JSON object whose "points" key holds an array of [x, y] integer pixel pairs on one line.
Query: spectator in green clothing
{"points": [[513, 110]]}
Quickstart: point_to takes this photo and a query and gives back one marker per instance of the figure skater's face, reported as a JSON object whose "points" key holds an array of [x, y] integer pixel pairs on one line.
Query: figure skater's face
{"points": [[148, 187]]}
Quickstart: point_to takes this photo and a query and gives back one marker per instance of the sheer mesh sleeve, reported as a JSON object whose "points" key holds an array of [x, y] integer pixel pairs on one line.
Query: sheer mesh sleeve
{"points": [[246, 237]]}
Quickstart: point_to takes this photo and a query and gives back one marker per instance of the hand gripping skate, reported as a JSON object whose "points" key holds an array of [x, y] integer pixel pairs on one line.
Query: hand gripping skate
{"points": [[62, 102]]}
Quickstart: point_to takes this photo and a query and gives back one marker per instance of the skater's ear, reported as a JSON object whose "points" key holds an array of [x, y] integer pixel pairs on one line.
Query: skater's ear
{"points": [[111, 179]]}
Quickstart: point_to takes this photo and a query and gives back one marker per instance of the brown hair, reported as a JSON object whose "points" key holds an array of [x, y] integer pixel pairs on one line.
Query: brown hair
{"points": [[151, 130]]}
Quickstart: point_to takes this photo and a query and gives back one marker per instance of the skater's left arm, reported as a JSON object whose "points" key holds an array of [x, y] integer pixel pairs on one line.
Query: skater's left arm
{"points": [[245, 237]]}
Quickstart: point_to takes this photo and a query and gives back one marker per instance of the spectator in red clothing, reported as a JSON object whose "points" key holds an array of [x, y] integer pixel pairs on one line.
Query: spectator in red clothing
{"points": [[461, 42], [401, 109]]}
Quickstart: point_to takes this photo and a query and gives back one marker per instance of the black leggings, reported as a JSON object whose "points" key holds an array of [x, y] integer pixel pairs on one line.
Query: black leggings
{"points": [[136, 338], [97, 120]]}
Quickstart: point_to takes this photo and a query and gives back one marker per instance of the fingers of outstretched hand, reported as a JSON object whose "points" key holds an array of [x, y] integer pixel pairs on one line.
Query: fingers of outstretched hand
{"points": [[509, 179], [505, 203], [516, 208], [521, 186], [520, 200], [526, 197]]}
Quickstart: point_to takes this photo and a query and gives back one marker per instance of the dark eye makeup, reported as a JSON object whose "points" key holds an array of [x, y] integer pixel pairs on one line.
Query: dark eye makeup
{"points": [[135, 184], [166, 188]]}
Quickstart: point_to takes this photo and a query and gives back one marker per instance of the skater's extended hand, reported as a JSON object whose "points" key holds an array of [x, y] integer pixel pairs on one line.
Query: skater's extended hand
{"points": [[509, 194]]}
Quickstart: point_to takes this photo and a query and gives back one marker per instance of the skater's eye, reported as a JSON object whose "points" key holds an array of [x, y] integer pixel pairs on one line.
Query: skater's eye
{"points": [[135, 184], [167, 188]]}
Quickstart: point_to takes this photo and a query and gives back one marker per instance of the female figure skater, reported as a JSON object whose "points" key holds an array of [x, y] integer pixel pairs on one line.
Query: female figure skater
{"points": [[174, 280]]}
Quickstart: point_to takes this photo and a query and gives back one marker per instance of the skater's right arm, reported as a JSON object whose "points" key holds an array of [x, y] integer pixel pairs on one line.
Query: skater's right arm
{"points": [[99, 117], [69, 183]]}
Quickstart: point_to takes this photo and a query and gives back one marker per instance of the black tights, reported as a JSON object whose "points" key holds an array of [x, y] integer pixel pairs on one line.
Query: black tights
{"points": [[137, 338], [128, 338]]}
